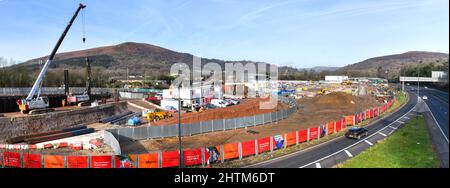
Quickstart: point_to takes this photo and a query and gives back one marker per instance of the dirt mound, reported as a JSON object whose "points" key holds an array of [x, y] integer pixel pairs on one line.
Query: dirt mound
{"points": [[337, 98], [248, 107]]}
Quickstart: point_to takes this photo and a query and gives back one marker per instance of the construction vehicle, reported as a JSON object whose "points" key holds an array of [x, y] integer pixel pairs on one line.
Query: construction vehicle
{"points": [[156, 115], [85, 97], [34, 103], [321, 92]]}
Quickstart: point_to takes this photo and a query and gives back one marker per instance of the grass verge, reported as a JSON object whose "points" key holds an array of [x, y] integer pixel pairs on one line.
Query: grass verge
{"points": [[409, 147]]}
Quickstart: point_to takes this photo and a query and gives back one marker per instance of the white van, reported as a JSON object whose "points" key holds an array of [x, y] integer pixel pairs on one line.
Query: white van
{"points": [[219, 103]]}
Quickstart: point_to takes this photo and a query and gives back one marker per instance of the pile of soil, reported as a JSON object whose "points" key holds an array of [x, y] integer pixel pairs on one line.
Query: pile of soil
{"points": [[248, 107]]}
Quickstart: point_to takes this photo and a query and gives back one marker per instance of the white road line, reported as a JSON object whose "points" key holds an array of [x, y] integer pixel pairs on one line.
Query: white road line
{"points": [[360, 140], [348, 153], [406, 117], [370, 143], [436, 122], [401, 122], [318, 165], [392, 127], [382, 134], [391, 132]]}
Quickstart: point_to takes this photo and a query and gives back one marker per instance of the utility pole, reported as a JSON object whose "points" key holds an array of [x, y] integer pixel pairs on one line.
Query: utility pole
{"points": [[179, 127]]}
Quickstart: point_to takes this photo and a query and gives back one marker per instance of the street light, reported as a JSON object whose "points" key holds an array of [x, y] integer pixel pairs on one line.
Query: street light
{"points": [[179, 127]]}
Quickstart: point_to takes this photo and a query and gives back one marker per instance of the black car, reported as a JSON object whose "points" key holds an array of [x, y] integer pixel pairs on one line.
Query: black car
{"points": [[356, 132]]}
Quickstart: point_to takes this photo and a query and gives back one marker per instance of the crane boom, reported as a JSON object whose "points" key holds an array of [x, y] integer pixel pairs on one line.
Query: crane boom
{"points": [[37, 84]]}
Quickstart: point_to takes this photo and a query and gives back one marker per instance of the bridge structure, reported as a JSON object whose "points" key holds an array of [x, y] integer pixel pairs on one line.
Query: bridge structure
{"points": [[436, 76]]}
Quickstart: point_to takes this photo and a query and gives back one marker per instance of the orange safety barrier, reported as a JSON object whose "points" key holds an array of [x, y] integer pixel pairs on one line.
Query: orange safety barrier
{"points": [[192, 157], [375, 112], [11, 159], [248, 148], [101, 161], [330, 127], [313, 133], [170, 159], [302, 136], [230, 151], [367, 114], [263, 145], [77, 162], [125, 161], [54, 161], [149, 160], [338, 126], [350, 120], [291, 138], [32, 160]]}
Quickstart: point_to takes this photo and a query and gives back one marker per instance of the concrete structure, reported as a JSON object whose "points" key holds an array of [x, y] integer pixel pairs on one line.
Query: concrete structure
{"points": [[436, 76]]}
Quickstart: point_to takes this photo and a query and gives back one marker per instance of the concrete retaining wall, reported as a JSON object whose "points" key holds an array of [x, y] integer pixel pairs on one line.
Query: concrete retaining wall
{"points": [[30, 124]]}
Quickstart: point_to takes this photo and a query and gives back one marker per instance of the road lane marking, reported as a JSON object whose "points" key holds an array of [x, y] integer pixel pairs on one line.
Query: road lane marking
{"points": [[439, 126], [348, 153], [379, 131], [370, 143], [382, 134], [391, 131], [318, 165], [401, 122], [392, 127], [406, 117]]}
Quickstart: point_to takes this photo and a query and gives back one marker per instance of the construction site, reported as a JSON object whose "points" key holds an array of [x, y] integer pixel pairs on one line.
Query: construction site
{"points": [[90, 122]]}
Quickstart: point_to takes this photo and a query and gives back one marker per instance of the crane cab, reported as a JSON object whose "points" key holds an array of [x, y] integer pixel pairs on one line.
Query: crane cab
{"points": [[26, 106]]}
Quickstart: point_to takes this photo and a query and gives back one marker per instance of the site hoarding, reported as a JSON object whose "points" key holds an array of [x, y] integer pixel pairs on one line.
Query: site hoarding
{"points": [[248, 148], [148, 160], [54, 161], [77, 162], [192, 157], [101, 161], [170, 159]]}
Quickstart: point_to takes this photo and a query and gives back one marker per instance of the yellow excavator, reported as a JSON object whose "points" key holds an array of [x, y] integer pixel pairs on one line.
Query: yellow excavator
{"points": [[155, 115], [321, 92]]}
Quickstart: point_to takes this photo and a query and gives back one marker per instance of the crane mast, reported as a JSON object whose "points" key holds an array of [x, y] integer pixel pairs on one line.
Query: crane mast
{"points": [[38, 83], [34, 103]]}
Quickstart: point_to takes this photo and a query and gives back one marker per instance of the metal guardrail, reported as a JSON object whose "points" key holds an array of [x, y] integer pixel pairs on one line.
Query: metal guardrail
{"points": [[189, 129]]}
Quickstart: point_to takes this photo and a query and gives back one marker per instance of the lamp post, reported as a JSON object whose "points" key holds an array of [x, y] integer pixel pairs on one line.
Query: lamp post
{"points": [[179, 127]]}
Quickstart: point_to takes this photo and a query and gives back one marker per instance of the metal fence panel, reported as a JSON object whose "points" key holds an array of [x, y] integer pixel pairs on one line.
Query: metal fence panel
{"points": [[155, 131], [249, 121], [125, 134], [273, 116], [284, 112], [195, 128], [279, 115], [240, 122], [170, 130], [186, 129], [259, 119], [229, 124], [206, 126], [218, 125], [267, 118], [140, 133]]}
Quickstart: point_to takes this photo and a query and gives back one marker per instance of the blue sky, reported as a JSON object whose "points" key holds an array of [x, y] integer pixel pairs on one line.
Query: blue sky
{"points": [[300, 33]]}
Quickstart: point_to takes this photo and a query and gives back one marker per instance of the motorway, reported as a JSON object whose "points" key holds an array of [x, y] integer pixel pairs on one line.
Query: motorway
{"points": [[330, 153], [438, 103]]}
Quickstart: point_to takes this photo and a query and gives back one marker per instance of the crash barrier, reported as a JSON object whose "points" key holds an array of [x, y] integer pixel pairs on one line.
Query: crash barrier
{"points": [[189, 129], [191, 157]]}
